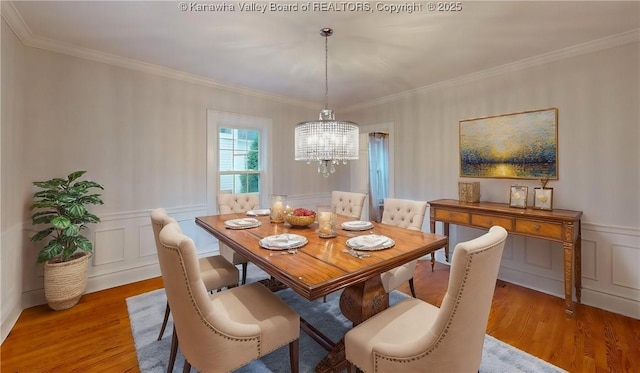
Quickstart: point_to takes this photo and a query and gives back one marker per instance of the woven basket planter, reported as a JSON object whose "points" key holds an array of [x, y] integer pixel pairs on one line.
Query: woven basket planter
{"points": [[65, 282]]}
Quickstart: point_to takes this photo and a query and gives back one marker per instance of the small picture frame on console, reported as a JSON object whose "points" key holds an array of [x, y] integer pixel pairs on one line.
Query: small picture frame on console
{"points": [[543, 198], [518, 196]]}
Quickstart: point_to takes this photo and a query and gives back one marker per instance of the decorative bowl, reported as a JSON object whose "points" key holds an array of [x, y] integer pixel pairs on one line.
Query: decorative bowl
{"points": [[299, 221]]}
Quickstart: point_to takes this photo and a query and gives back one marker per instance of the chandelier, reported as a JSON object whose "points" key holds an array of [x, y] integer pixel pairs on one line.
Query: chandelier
{"points": [[326, 141]]}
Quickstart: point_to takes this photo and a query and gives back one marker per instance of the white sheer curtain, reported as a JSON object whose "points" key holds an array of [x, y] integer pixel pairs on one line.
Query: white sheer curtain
{"points": [[378, 173]]}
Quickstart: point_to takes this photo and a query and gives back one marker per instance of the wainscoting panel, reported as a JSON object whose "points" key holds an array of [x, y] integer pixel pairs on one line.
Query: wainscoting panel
{"points": [[537, 253], [589, 260], [507, 253], [109, 246], [625, 263], [147, 242], [610, 257]]}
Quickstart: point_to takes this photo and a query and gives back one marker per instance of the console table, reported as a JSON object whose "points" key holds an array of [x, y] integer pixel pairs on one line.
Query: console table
{"points": [[555, 225]]}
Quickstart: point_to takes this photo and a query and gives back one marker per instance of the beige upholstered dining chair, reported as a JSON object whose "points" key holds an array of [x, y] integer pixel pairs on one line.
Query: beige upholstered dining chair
{"points": [[408, 214], [415, 336], [215, 271], [229, 203], [223, 331], [348, 203]]}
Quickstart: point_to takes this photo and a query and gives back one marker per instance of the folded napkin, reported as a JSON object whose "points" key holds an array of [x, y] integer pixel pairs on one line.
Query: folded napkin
{"points": [[372, 240], [358, 223], [242, 222], [245, 221], [282, 240]]}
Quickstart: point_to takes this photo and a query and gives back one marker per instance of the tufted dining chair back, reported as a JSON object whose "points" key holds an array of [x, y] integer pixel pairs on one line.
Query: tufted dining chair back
{"points": [[348, 203], [404, 213], [407, 214], [415, 336], [229, 203], [226, 330]]}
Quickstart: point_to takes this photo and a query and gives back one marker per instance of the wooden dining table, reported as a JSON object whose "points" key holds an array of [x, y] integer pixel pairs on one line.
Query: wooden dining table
{"points": [[324, 265]]}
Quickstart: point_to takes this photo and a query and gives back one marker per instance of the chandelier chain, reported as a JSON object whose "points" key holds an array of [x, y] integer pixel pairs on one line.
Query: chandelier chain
{"points": [[326, 72]]}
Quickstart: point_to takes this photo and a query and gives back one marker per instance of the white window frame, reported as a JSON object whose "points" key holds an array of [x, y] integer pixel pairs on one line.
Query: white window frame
{"points": [[219, 119]]}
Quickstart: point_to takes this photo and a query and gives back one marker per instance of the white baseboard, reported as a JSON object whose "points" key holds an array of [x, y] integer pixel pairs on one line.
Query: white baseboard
{"points": [[100, 282], [590, 297], [123, 277], [612, 303], [9, 319]]}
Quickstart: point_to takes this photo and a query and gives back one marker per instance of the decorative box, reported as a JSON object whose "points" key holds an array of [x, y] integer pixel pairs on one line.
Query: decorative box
{"points": [[469, 191]]}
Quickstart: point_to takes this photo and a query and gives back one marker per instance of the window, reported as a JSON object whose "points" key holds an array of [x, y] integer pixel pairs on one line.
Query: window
{"points": [[238, 155], [239, 160]]}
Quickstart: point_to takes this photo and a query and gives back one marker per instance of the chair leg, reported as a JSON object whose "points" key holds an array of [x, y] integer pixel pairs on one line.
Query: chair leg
{"points": [[433, 261], [164, 323], [244, 273], [187, 367], [174, 351], [413, 290], [294, 356]]}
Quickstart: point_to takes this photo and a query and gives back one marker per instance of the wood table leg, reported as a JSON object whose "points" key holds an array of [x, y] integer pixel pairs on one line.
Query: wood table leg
{"points": [[273, 284], [445, 231], [363, 300], [432, 225], [577, 265], [357, 303], [335, 361], [568, 271]]}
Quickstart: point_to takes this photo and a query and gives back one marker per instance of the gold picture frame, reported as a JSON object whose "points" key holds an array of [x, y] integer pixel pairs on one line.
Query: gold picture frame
{"points": [[518, 196], [520, 145], [543, 198]]}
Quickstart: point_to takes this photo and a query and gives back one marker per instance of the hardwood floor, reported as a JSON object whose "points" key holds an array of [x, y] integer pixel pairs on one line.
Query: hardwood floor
{"points": [[95, 335]]}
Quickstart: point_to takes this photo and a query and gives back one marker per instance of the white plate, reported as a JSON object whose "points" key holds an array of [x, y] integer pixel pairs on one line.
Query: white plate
{"points": [[370, 242], [358, 225], [260, 212], [283, 241], [242, 223]]}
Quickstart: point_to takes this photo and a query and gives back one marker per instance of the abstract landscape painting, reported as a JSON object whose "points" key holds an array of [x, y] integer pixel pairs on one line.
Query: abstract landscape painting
{"points": [[514, 146]]}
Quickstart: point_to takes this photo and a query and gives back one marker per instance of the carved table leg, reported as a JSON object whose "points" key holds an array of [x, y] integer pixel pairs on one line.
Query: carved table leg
{"points": [[432, 226], [361, 301], [577, 265], [357, 303], [568, 271], [445, 231]]}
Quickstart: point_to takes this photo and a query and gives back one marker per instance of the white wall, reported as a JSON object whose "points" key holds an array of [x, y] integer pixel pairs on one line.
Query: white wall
{"points": [[12, 190], [598, 97]]}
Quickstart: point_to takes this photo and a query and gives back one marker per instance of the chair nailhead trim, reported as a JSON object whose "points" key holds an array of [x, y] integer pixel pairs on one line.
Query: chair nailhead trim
{"points": [[377, 357], [201, 316]]}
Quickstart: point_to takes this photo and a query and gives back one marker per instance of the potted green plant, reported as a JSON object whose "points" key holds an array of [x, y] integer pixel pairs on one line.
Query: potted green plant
{"points": [[60, 206]]}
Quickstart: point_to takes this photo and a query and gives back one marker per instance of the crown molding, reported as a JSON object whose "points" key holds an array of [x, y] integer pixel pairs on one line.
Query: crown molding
{"points": [[14, 20], [617, 40], [28, 39], [22, 31]]}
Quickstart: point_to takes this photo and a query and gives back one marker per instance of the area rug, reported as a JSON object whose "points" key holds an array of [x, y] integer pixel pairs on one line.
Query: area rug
{"points": [[147, 310]]}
